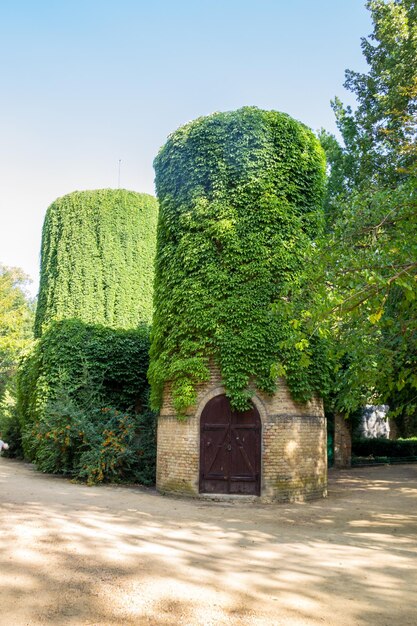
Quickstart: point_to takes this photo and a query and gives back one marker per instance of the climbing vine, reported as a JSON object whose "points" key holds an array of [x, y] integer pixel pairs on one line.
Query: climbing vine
{"points": [[71, 388], [90, 359], [97, 258], [240, 198]]}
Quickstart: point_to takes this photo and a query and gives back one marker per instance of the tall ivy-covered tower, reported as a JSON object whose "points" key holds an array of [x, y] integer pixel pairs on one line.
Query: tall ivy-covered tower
{"points": [[240, 198], [97, 259]]}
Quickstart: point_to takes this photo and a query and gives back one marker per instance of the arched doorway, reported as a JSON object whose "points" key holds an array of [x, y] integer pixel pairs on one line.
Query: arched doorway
{"points": [[230, 449]]}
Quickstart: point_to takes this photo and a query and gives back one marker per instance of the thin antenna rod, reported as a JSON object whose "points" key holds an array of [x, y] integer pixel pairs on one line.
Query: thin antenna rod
{"points": [[118, 180]]}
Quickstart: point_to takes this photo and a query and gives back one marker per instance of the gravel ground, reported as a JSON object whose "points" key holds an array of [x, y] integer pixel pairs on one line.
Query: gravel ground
{"points": [[77, 555]]}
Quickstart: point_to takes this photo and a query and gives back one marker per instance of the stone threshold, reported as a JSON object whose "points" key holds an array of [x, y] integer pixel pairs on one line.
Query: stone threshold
{"points": [[228, 497]]}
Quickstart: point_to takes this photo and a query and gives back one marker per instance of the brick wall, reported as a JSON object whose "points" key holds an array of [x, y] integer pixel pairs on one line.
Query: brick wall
{"points": [[294, 445], [178, 450], [294, 458]]}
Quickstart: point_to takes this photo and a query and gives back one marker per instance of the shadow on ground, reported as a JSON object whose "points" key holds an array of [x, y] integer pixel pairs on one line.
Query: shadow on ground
{"points": [[76, 555]]}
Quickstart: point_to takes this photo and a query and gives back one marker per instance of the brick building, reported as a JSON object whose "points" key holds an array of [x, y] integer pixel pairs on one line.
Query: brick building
{"points": [[285, 459]]}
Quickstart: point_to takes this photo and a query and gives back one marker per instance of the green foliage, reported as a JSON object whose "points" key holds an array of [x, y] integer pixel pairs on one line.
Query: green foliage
{"points": [[363, 282], [16, 319], [97, 366], [97, 268], [96, 445], [337, 183], [9, 423], [379, 447], [97, 259], [379, 135], [240, 201], [122, 450]]}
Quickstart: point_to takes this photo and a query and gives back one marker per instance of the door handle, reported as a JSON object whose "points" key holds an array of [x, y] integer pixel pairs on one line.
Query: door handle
{"points": [[229, 447]]}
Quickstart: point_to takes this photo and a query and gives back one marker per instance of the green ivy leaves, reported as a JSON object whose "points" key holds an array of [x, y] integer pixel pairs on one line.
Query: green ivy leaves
{"points": [[95, 365], [240, 199], [97, 257]]}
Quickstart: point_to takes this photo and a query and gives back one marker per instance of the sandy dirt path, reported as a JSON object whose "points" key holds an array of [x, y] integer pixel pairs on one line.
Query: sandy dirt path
{"points": [[77, 555]]}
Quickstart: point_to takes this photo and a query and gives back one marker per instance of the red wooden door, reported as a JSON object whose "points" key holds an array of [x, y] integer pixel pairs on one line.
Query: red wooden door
{"points": [[230, 449]]}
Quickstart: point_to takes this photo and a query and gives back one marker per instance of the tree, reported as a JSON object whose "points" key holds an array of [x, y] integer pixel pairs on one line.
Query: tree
{"points": [[16, 322], [368, 261], [380, 136], [16, 318]]}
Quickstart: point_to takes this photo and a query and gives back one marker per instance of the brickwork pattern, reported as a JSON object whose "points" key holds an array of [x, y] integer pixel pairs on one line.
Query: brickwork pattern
{"points": [[294, 445], [294, 458]]}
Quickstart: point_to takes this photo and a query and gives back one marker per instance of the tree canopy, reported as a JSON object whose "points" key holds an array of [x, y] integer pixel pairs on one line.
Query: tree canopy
{"points": [[367, 263], [16, 319]]}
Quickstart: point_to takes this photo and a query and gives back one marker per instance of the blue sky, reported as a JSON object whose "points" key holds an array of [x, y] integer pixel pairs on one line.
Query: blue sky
{"points": [[85, 83]]}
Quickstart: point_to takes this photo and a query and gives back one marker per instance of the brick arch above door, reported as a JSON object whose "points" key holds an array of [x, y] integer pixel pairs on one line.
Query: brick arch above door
{"points": [[219, 391]]}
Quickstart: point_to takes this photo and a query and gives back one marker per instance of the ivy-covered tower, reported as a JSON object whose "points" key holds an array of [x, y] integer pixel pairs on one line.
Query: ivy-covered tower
{"points": [[240, 197], [97, 259], [93, 314]]}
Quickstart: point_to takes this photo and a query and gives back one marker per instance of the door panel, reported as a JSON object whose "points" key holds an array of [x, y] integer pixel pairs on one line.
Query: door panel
{"points": [[245, 459], [214, 443], [230, 449], [216, 462]]}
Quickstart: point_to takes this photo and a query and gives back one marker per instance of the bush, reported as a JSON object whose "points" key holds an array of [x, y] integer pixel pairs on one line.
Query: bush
{"points": [[96, 445], [380, 447], [73, 371], [122, 450]]}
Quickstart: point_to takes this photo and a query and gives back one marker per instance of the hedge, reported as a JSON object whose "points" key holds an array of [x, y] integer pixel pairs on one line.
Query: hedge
{"points": [[381, 447], [240, 197]]}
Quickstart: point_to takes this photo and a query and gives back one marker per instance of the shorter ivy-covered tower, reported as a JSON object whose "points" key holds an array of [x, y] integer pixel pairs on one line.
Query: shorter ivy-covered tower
{"points": [[97, 259], [92, 323], [238, 392]]}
